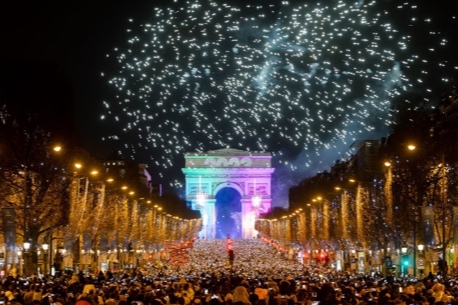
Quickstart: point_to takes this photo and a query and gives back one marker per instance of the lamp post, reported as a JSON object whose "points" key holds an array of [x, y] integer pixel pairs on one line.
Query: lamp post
{"points": [[138, 258], [26, 254], [256, 199], [256, 204], [201, 199], [404, 262], [421, 259], [344, 210], [325, 216], [45, 248], [26, 205], [415, 246], [83, 202], [19, 254]]}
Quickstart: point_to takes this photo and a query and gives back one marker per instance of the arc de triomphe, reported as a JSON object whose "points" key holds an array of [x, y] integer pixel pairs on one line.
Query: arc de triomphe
{"points": [[230, 188]]}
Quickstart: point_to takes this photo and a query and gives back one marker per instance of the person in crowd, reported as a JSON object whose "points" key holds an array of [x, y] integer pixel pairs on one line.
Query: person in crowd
{"points": [[241, 293]]}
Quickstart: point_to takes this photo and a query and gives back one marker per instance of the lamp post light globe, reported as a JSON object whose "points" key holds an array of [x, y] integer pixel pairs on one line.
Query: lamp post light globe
{"points": [[26, 265], [19, 254], [45, 248], [201, 198], [404, 261], [256, 201], [26, 246]]}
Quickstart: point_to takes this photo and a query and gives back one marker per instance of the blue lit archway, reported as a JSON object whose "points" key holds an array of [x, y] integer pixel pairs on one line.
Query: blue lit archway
{"points": [[228, 213]]}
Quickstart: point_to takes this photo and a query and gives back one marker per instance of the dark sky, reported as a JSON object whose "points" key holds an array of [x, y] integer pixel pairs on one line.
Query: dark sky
{"points": [[71, 38], [67, 42]]}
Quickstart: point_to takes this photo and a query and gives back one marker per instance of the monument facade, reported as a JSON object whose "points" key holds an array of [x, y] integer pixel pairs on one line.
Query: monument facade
{"points": [[230, 188]]}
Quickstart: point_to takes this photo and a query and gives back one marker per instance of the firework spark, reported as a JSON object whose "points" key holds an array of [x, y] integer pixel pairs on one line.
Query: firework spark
{"points": [[282, 78]]}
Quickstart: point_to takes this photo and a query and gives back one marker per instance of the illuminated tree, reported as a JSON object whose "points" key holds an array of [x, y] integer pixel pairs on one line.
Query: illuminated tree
{"points": [[36, 179], [424, 177]]}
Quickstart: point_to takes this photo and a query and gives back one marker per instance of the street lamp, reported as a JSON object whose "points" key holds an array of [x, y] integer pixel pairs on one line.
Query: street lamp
{"points": [[201, 196], [138, 257], [26, 254], [45, 248], [27, 193], [19, 253], [325, 216], [404, 260], [256, 199], [255, 203], [344, 210], [201, 200], [420, 261]]}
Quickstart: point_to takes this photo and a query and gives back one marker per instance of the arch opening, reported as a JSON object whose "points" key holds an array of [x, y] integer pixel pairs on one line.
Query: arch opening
{"points": [[228, 210]]}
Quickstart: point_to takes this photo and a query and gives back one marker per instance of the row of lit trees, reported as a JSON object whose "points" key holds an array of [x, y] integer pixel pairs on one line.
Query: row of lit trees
{"points": [[111, 217], [46, 197], [408, 198], [371, 216], [343, 218]]}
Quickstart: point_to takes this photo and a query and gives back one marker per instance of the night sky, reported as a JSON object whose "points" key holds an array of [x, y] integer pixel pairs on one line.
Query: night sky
{"points": [[67, 43]]}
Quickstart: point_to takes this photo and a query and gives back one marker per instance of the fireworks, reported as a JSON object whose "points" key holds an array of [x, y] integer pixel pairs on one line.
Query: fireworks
{"points": [[285, 78]]}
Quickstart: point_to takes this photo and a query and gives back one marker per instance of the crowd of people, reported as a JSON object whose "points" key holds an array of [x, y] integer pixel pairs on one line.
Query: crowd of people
{"points": [[258, 275]]}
